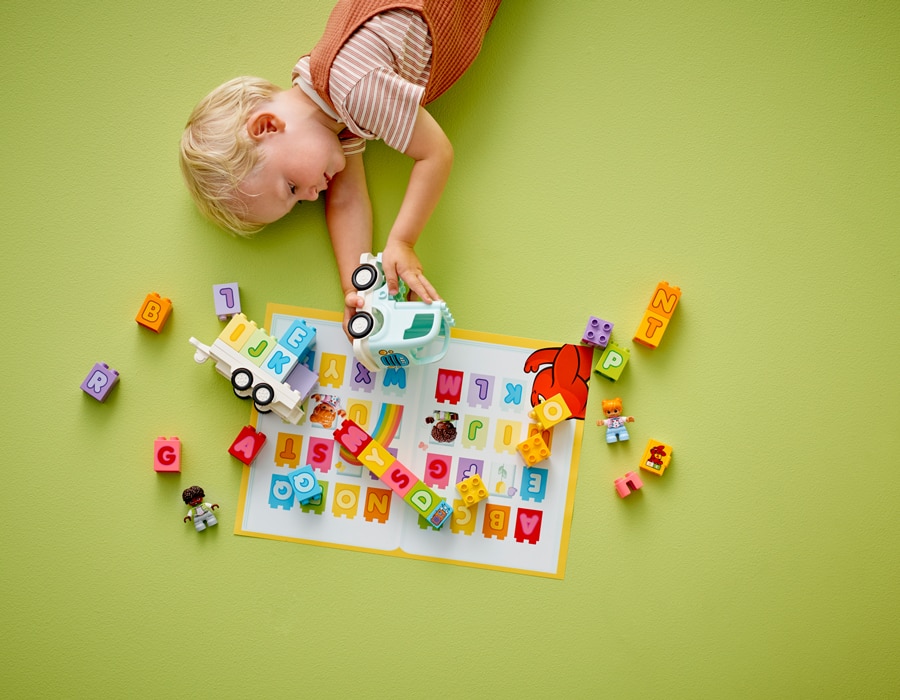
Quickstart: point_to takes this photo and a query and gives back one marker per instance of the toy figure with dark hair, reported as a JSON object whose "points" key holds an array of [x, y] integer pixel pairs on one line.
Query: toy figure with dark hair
{"points": [[201, 512]]}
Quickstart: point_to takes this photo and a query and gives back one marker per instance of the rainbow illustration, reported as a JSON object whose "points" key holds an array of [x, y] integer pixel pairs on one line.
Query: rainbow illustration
{"points": [[385, 429]]}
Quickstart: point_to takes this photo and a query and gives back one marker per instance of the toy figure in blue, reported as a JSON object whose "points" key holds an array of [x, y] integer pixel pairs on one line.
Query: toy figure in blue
{"points": [[615, 421]]}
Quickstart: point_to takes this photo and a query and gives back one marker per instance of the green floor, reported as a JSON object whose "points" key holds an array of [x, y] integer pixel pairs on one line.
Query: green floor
{"points": [[747, 152]]}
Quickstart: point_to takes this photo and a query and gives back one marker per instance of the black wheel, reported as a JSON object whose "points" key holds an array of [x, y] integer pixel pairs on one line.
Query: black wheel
{"points": [[241, 381], [263, 395], [364, 277], [360, 325]]}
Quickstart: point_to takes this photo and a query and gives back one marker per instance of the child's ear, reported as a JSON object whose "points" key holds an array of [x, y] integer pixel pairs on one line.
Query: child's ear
{"points": [[263, 123]]}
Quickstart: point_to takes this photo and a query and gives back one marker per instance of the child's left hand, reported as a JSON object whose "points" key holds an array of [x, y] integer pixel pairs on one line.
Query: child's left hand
{"points": [[399, 260]]}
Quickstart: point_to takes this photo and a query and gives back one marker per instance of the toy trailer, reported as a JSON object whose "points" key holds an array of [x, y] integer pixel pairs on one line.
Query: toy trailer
{"points": [[258, 364], [389, 331]]}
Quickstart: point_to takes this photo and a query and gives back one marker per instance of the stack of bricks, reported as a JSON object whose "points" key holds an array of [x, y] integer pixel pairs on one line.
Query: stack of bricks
{"points": [[547, 414]]}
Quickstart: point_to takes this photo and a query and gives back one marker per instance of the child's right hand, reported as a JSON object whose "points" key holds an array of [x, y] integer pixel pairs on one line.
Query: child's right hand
{"points": [[352, 303], [399, 261]]}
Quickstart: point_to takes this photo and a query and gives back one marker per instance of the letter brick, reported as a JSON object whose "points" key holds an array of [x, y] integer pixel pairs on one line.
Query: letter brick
{"points": [[167, 454], [352, 437], [399, 478], [100, 381], [247, 445], [298, 338], [154, 312], [375, 458]]}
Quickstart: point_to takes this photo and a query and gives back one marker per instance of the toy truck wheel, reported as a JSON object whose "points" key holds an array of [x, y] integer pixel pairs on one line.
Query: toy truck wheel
{"points": [[263, 395], [364, 277], [241, 381], [360, 324]]}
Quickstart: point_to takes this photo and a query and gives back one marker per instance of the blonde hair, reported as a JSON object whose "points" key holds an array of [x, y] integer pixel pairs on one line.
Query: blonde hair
{"points": [[217, 153]]}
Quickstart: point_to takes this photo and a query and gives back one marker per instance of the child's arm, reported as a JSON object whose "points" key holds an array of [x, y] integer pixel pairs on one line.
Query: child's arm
{"points": [[433, 153], [348, 214]]}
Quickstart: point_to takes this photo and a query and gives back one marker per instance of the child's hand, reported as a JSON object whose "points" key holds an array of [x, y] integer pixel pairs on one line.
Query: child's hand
{"points": [[399, 260], [352, 302]]}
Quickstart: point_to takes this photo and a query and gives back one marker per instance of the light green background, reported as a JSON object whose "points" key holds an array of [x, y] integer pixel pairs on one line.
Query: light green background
{"points": [[746, 151]]}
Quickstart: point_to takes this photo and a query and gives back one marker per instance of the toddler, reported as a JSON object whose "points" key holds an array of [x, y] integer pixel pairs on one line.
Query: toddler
{"points": [[252, 150]]}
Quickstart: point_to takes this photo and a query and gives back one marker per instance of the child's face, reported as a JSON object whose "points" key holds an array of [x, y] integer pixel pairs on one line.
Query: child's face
{"points": [[300, 156]]}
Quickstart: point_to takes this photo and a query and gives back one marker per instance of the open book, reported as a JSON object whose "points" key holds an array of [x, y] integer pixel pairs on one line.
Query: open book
{"points": [[444, 422]]}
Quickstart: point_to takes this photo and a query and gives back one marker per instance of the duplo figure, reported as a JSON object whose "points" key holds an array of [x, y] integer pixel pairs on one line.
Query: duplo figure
{"points": [[615, 421], [201, 512]]}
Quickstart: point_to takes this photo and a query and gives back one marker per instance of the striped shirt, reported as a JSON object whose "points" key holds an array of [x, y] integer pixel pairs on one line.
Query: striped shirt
{"points": [[377, 81]]}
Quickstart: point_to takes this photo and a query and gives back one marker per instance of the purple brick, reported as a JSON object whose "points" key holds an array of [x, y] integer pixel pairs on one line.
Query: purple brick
{"points": [[227, 299], [100, 381], [597, 332], [302, 379]]}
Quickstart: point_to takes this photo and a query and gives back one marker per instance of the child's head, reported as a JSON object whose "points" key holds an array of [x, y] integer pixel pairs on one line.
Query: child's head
{"points": [[218, 152]]}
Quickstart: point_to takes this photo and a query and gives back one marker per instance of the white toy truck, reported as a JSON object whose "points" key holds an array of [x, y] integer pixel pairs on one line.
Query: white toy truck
{"points": [[389, 331], [259, 365]]}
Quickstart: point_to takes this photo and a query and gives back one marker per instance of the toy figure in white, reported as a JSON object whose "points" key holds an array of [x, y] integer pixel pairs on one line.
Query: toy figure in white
{"points": [[201, 512]]}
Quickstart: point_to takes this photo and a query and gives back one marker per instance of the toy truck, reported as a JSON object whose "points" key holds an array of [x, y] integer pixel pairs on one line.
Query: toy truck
{"points": [[264, 368], [389, 331]]}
